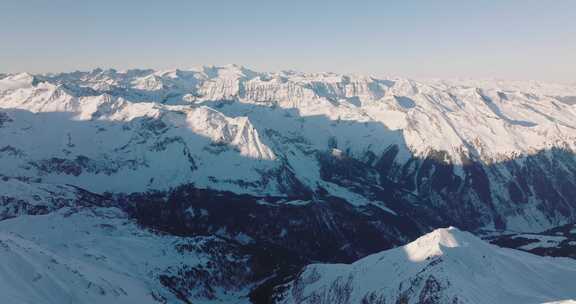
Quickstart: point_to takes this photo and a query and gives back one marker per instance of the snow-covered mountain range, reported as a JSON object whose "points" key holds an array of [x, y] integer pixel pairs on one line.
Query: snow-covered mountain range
{"points": [[270, 171], [230, 128]]}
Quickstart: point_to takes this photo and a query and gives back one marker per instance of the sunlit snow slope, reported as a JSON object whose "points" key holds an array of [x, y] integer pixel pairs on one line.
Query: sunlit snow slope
{"points": [[99, 255]]}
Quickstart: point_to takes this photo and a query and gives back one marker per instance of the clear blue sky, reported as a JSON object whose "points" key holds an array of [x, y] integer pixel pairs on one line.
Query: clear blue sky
{"points": [[521, 39]]}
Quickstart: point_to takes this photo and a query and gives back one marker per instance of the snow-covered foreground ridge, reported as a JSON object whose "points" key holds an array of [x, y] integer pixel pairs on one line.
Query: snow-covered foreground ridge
{"points": [[289, 133], [444, 266], [98, 255]]}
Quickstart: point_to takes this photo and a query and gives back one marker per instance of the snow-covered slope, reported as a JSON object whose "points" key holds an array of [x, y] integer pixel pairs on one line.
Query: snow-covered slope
{"points": [[99, 255], [444, 266], [26, 197], [32, 274], [500, 153]]}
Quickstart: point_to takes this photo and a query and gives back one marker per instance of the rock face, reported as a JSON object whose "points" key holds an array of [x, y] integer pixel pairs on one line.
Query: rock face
{"points": [[445, 266]]}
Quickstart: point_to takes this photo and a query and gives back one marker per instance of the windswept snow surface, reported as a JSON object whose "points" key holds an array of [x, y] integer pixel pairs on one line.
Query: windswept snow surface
{"points": [[32, 274], [98, 255], [444, 266]]}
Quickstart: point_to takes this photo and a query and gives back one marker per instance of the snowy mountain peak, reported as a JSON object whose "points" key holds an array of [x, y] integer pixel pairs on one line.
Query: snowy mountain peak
{"points": [[437, 242], [469, 271], [448, 237]]}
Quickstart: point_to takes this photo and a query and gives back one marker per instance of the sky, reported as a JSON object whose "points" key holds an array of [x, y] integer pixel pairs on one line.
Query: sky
{"points": [[504, 39]]}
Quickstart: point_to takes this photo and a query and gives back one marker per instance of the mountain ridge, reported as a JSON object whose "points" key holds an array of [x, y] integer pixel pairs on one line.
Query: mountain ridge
{"points": [[444, 266]]}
